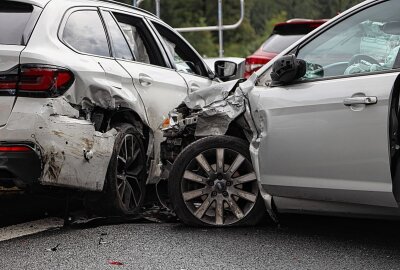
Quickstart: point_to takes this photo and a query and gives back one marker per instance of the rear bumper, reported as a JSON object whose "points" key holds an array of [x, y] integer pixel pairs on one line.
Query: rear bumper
{"points": [[20, 169], [70, 152]]}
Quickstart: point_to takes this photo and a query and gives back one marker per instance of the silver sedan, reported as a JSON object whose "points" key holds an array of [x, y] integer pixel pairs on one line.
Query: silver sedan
{"points": [[314, 131]]}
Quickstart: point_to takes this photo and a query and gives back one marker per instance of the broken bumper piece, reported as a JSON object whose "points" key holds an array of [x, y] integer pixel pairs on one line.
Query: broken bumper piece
{"points": [[71, 152]]}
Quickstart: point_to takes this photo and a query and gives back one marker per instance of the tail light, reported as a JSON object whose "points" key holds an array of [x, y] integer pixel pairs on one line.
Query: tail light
{"points": [[254, 63], [16, 148], [36, 81]]}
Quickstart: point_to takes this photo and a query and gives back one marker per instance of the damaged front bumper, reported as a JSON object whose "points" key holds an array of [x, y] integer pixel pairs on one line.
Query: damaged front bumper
{"points": [[211, 112], [68, 151]]}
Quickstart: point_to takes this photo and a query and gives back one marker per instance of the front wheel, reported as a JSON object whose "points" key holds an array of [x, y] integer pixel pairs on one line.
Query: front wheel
{"points": [[213, 183]]}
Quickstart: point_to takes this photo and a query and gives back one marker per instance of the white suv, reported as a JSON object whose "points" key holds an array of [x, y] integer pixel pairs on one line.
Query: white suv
{"points": [[84, 87]]}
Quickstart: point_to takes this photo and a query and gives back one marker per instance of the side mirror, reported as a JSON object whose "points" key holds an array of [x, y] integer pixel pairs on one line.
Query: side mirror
{"points": [[287, 69], [391, 28], [225, 70]]}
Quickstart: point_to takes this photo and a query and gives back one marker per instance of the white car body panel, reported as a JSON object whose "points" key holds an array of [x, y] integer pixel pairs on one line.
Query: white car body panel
{"points": [[74, 154], [8, 59]]}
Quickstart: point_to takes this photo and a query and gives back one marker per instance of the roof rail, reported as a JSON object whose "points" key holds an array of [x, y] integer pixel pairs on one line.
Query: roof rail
{"points": [[127, 5]]}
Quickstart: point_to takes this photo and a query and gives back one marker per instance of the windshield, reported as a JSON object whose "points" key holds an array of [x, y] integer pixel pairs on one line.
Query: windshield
{"points": [[277, 43], [359, 44], [367, 41]]}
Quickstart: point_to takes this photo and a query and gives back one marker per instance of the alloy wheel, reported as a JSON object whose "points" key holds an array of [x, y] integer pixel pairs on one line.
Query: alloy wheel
{"points": [[219, 186], [130, 162]]}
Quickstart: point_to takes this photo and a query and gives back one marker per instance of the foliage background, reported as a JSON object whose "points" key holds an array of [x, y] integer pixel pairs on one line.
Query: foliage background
{"points": [[261, 16]]}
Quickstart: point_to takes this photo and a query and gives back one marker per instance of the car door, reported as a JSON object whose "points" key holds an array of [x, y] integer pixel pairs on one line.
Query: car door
{"points": [[184, 58], [326, 136], [160, 87], [116, 83]]}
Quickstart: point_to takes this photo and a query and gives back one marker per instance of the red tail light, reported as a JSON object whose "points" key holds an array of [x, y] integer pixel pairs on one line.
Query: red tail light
{"points": [[254, 63], [18, 148], [8, 82], [36, 81]]}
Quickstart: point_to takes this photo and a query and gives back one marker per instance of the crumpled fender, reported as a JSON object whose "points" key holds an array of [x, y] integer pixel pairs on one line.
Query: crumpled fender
{"points": [[219, 106]]}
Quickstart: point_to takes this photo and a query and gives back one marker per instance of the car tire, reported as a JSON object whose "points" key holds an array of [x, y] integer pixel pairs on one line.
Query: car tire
{"points": [[205, 192], [125, 183]]}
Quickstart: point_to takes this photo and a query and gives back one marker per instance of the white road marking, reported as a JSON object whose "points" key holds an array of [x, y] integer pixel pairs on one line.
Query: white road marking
{"points": [[30, 228]]}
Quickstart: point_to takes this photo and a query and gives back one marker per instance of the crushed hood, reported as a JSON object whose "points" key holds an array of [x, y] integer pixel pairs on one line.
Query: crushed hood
{"points": [[219, 105], [218, 92], [207, 96]]}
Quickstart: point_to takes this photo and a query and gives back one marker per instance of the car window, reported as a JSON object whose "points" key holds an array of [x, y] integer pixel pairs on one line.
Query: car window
{"points": [[277, 43], [184, 58], [358, 45], [119, 45], [84, 32], [140, 40], [136, 43], [17, 13]]}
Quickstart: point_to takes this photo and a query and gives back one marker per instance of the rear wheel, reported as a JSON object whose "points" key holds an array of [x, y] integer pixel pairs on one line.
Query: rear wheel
{"points": [[213, 183], [126, 176]]}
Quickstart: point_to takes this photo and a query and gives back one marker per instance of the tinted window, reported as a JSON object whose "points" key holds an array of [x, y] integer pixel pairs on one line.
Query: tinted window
{"points": [[13, 21], [120, 47], [84, 32], [140, 40], [136, 43], [277, 43], [185, 59], [181, 65]]}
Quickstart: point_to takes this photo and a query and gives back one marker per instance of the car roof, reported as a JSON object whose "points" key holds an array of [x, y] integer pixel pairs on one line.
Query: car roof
{"points": [[110, 3], [304, 21], [39, 3], [297, 26], [126, 6]]}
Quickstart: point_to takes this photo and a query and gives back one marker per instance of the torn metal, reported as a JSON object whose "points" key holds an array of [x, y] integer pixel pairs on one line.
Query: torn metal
{"points": [[215, 108], [210, 112], [73, 153]]}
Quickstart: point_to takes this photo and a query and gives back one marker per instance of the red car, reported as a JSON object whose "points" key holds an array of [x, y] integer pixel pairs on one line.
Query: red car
{"points": [[283, 35]]}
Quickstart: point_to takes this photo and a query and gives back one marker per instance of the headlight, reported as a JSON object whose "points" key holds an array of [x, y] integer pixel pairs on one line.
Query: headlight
{"points": [[172, 121], [176, 121]]}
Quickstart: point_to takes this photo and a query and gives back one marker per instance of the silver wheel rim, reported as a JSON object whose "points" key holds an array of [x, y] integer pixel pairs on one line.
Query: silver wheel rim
{"points": [[219, 186], [130, 164]]}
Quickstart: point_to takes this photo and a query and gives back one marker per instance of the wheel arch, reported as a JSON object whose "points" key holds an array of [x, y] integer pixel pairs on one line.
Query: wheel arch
{"points": [[239, 128], [126, 115]]}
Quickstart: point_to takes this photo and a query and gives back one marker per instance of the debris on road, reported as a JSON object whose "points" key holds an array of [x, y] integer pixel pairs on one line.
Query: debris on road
{"points": [[150, 214], [115, 263], [53, 248]]}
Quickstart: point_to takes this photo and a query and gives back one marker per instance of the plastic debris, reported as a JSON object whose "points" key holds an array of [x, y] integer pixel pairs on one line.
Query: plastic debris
{"points": [[115, 263], [53, 248]]}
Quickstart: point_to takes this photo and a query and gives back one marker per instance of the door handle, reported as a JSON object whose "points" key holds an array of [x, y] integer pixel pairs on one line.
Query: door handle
{"points": [[145, 80], [360, 101], [194, 87]]}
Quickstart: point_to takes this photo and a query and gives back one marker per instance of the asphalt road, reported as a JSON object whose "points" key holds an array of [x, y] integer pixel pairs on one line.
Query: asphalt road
{"points": [[301, 242]]}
